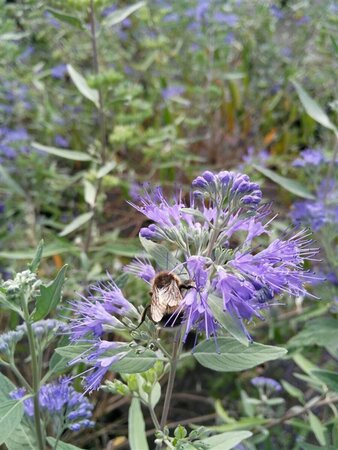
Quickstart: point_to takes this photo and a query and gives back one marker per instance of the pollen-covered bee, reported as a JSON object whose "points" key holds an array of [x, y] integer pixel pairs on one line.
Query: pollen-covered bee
{"points": [[166, 296]]}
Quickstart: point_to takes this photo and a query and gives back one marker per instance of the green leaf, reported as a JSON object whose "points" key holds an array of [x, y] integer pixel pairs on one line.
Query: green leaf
{"points": [[58, 363], [134, 362], [74, 155], [155, 394], [104, 170], [292, 186], [6, 179], [321, 331], [161, 255], [9, 305], [82, 85], [230, 323], [67, 18], [11, 413], [136, 427], [54, 248], [34, 265], [13, 36], [61, 445], [194, 212], [302, 362], [317, 428], [226, 441], [293, 391], [242, 424], [312, 108], [72, 351], [77, 223], [89, 193], [121, 247], [232, 356], [23, 437], [50, 295], [6, 386], [328, 377], [306, 446], [121, 14]]}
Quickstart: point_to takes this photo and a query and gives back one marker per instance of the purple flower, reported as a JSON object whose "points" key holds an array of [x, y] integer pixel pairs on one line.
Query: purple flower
{"points": [[269, 384], [26, 54], [244, 278], [253, 157], [96, 314], [102, 362], [141, 268], [110, 9], [228, 187], [61, 141], [9, 340], [13, 141], [52, 20], [196, 311], [59, 71], [302, 20], [229, 38], [155, 206], [135, 190], [309, 157], [321, 212], [277, 12], [172, 17], [230, 20], [172, 91], [61, 404]]}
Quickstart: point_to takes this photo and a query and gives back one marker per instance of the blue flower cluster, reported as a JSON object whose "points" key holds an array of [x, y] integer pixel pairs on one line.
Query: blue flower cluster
{"points": [[62, 406], [268, 384], [219, 236]]}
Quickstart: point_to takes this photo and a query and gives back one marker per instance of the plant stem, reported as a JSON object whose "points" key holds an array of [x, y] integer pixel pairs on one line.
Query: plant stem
{"points": [[102, 124], [154, 417], [19, 376], [35, 376], [172, 373]]}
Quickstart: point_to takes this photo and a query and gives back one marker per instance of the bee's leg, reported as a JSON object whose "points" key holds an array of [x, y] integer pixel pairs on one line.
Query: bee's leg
{"points": [[143, 317], [187, 285]]}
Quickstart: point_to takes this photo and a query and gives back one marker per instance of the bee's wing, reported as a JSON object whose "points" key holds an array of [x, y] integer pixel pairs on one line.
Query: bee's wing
{"points": [[167, 296]]}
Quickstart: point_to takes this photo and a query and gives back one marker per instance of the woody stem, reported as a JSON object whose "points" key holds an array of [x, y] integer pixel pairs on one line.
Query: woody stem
{"points": [[177, 347]]}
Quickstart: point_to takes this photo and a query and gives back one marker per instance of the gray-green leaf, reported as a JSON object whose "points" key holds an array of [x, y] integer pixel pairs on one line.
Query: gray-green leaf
{"points": [[34, 265], [23, 437], [317, 428], [312, 108], [67, 18], [232, 356], [226, 441], [61, 445], [163, 257], [290, 185], [74, 155], [136, 427], [50, 295], [328, 377], [230, 323], [89, 193], [10, 182], [82, 85], [77, 223], [120, 15], [134, 362], [11, 413]]}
